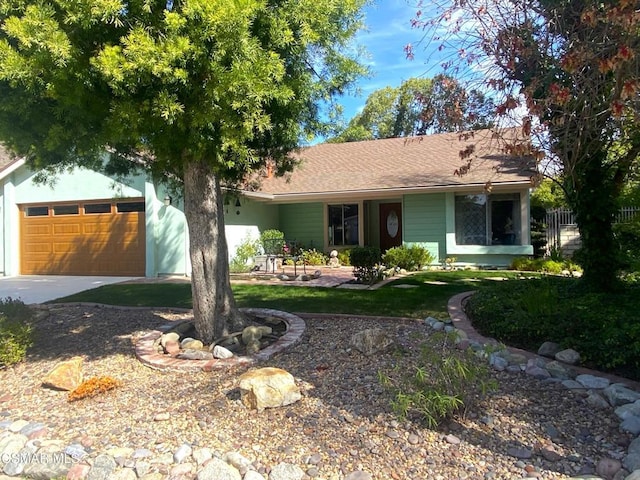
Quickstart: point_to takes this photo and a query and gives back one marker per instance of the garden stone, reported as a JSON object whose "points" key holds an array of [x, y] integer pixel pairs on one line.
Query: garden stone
{"points": [[430, 321], [220, 352], [569, 356], [537, 372], [371, 341], [169, 337], [619, 394], [631, 425], [449, 328], [10, 445], [359, 475], [191, 354], [267, 388], [286, 471], [549, 349], [437, 326], [516, 358], [183, 452], [572, 385], [49, 466], [103, 466], [628, 410], [597, 401], [65, 375], [558, 370], [633, 476], [237, 460], [217, 469], [608, 467], [253, 475], [536, 362], [591, 381], [191, 344], [497, 362]]}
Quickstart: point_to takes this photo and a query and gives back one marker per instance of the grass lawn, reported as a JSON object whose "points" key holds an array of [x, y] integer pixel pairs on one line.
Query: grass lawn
{"points": [[429, 297]]}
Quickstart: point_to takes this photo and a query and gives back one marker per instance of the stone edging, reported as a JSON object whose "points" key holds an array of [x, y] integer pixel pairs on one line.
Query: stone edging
{"points": [[459, 320], [148, 355]]}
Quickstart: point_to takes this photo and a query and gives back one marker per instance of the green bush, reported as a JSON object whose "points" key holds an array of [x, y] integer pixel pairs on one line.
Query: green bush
{"points": [[526, 313], [246, 251], [546, 265], [444, 381], [366, 262], [410, 258], [344, 257], [272, 242], [16, 332], [313, 257], [627, 237]]}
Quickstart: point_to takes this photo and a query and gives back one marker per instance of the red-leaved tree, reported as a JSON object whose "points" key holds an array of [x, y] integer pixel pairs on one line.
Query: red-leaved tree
{"points": [[568, 70]]}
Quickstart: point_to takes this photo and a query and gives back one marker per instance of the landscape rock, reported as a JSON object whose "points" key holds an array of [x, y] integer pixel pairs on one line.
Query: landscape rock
{"points": [[268, 387], [286, 471], [371, 341], [618, 394], [569, 356], [217, 469], [65, 375], [608, 467], [220, 352], [591, 381], [549, 349]]}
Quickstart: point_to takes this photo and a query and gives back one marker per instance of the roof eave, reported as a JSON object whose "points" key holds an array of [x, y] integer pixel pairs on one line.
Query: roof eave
{"points": [[307, 197]]}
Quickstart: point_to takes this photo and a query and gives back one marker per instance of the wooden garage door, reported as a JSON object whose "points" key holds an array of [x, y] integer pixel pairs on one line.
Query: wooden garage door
{"points": [[89, 238]]}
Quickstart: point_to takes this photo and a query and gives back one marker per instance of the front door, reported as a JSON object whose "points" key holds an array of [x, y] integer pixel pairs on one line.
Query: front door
{"points": [[390, 225]]}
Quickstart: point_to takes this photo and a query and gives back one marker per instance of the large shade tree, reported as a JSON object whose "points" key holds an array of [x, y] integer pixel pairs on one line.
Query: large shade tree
{"points": [[202, 92], [417, 107], [570, 71]]}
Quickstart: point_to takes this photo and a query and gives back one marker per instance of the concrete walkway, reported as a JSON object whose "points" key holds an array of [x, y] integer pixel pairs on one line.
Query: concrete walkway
{"points": [[43, 288]]}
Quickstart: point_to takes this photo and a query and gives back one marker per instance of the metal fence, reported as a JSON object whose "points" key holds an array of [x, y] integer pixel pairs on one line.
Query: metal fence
{"points": [[562, 230]]}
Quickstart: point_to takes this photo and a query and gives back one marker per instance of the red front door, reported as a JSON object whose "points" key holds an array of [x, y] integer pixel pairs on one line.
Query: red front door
{"points": [[390, 225]]}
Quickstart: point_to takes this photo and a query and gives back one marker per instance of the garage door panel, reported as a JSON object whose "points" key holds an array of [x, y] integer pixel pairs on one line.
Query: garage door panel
{"points": [[84, 244]]}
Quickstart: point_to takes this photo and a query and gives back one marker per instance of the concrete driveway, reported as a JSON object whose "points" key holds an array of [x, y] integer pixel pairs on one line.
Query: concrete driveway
{"points": [[42, 288]]}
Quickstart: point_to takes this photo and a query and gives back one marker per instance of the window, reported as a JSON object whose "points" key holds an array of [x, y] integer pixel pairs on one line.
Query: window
{"points": [[37, 211], [66, 210], [488, 219], [124, 207], [343, 224], [97, 208]]}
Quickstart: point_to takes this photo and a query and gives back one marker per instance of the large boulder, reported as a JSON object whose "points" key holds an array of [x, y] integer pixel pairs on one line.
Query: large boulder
{"points": [[268, 388], [371, 341], [65, 375]]}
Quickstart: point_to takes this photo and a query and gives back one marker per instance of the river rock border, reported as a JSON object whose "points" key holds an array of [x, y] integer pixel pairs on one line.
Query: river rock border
{"points": [[147, 353], [602, 391]]}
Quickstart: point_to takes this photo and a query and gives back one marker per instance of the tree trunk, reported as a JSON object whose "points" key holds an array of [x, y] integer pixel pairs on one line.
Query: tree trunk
{"points": [[214, 308], [594, 203]]}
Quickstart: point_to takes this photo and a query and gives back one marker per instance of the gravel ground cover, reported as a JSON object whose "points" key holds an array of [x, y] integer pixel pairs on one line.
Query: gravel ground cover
{"points": [[343, 423]]}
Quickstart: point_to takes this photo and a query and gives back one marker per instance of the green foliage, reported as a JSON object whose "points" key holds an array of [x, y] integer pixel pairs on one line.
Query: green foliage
{"points": [[16, 332], [444, 381], [418, 106], [526, 313], [411, 258], [313, 257], [366, 264], [272, 242], [549, 194], [627, 235], [245, 251], [344, 256], [546, 265]]}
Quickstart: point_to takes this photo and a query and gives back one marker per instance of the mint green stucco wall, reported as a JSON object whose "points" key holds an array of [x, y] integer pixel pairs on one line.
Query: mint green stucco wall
{"points": [[424, 221], [247, 221], [304, 223]]}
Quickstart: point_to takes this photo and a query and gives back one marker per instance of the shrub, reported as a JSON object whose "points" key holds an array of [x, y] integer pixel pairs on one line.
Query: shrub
{"points": [[92, 387], [246, 251], [313, 257], [444, 382], [344, 257], [366, 261], [526, 313], [627, 237], [16, 332], [410, 258], [272, 242]]}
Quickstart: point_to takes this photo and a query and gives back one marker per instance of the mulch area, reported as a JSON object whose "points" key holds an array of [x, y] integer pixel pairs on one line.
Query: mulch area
{"points": [[344, 421]]}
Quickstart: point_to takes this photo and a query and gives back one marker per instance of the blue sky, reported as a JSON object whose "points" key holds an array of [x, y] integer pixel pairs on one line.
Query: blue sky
{"points": [[388, 31]]}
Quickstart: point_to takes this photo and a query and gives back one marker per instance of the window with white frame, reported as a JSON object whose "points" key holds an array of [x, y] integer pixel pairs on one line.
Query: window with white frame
{"points": [[493, 219], [343, 224]]}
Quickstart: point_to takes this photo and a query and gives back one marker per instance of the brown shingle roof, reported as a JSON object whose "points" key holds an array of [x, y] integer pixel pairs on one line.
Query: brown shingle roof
{"points": [[5, 158], [398, 164]]}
